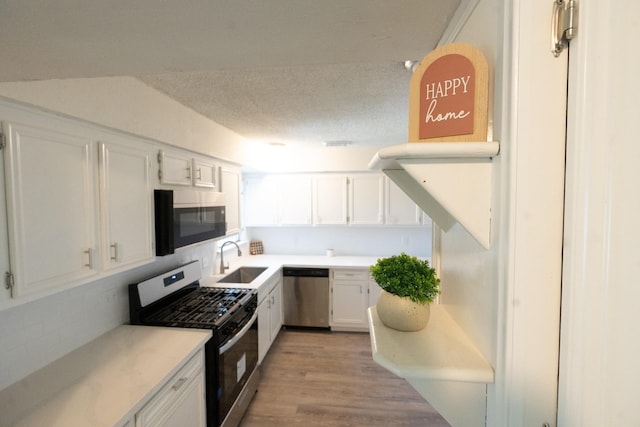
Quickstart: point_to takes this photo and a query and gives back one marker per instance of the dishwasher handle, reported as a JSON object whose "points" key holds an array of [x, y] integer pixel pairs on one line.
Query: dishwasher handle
{"points": [[305, 272]]}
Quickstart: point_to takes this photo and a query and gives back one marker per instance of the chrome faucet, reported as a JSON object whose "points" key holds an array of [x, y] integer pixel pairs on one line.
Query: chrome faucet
{"points": [[222, 267]]}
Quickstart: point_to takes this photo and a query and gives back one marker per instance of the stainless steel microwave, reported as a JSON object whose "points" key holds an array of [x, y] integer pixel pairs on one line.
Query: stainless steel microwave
{"points": [[185, 217]]}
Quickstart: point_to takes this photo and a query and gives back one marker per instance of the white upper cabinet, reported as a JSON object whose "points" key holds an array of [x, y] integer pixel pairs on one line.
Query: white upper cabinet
{"points": [[260, 200], [366, 199], [126, 204], [79, 202], [182, 168], [330, 199], [204, 173], [230, 186], [294, 200], [176, 168], [51, 203], [400, 209]]}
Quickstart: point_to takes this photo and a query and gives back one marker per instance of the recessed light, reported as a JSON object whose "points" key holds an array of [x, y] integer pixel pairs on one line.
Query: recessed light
{"points": [[277, 144], [336, 143]]}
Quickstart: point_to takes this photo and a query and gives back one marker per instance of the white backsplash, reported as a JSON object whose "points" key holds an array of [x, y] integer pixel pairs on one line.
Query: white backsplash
{"points": [[344, 240]]}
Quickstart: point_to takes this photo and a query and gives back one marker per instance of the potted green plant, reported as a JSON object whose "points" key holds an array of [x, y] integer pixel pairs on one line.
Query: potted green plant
{"points": [[408, 286]]}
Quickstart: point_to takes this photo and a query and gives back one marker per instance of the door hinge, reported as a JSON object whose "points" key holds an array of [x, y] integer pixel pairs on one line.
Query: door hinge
{"points": [[3, 141], [564, 24], [8, 280]]}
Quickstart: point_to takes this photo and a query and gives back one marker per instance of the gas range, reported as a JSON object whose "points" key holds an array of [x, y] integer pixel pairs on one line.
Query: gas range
{"points": [[176, 299]]}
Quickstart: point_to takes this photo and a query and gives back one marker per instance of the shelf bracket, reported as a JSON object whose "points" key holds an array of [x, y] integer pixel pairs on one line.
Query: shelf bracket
{"points": [[451, 182]]}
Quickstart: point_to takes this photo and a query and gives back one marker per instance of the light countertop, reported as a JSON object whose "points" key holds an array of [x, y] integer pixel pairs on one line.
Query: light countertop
{"points": [[275, 262], [103, 383]]}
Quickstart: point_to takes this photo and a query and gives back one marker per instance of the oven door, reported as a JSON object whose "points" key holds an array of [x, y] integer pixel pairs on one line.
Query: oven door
{"points": [[237, 360]]}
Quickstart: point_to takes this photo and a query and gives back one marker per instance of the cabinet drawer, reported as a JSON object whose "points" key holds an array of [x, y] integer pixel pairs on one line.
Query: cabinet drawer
{"points": [[351, 274], [172, 392]]}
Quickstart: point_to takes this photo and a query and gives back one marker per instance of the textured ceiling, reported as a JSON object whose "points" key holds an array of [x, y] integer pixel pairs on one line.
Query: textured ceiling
{"points": [[274, 70]]}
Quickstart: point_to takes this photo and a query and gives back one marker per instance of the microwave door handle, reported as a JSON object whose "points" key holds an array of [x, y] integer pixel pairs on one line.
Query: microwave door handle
{"points": [[239, 335]]}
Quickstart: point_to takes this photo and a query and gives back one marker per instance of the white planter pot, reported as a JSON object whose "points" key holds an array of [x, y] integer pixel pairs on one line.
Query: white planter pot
{"points": [[401, 313]]}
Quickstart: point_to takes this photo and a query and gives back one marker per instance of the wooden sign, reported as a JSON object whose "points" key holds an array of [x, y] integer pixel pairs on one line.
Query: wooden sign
{"points": [[448, 96]]}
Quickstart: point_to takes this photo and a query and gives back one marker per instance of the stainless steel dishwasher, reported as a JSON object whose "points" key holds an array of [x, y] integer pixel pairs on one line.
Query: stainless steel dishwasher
{"points": [[306, 297]]}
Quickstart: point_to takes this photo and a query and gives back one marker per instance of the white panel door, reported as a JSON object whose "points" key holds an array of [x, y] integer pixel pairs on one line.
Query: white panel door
{"points": [[366, 197], [260, 201], [230, 186], [175, 168], [295, 201], [330, 199], [600, 345], [204, 173], [51, 207], [275, 310], [400, 209], [126, 204]]}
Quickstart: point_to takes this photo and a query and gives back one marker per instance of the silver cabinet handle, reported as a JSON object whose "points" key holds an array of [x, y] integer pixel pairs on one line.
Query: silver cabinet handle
{"points": [[89, 252], [188, 173], [199, 177], [114, 257]]}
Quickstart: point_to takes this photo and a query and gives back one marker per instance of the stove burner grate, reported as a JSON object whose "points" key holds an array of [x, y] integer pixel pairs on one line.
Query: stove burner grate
{"points": [[203, 308]]}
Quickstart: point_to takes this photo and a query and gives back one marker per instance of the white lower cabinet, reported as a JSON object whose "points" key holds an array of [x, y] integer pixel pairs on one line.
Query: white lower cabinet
{"points": [[180, 402], [269, 314], [349, 299], [374, 292]]}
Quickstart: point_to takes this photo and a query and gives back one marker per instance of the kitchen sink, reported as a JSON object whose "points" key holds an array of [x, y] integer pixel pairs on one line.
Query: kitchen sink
{"points": [[242, 275]]}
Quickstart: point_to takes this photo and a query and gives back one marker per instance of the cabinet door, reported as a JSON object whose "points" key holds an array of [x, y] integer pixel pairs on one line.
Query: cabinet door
{"points": [[349, 299], [204, 173], [366, 195], [275, 298], [374, 292], [181, 402], [400, 209], [264, 328], [175, 168], [230, 186], [51, 204], [260, 201], [330, 199], [126, 204], [295, 201]]}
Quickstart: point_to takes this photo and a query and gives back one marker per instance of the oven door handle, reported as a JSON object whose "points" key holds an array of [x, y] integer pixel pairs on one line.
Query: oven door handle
{"points": [[239, 335]]}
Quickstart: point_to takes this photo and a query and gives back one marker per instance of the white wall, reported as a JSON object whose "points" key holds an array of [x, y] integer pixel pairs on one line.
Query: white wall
{"points": [[467, 270], [38, 332]]}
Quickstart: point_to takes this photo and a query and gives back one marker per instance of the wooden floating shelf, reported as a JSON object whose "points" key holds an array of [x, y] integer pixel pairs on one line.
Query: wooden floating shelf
{"points": [[450, 181], [439, 352]]}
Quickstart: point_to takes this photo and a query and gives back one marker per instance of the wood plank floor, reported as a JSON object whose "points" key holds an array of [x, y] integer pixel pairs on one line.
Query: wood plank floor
{"points": [[317, 378]]}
